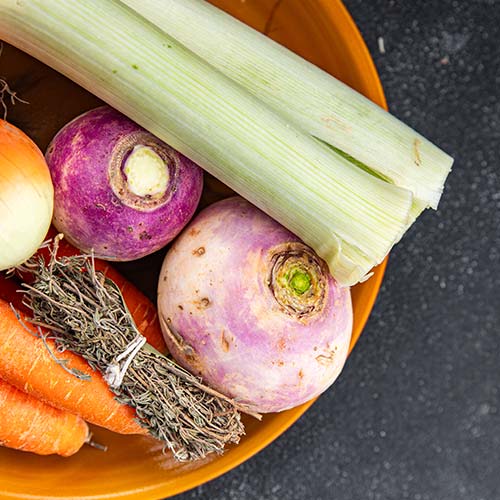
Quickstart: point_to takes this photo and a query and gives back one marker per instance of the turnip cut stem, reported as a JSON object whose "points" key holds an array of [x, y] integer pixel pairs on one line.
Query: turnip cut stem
{"points": [[145, 172]]}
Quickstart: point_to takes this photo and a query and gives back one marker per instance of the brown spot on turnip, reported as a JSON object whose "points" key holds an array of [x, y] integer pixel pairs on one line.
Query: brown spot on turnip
{"points": [[301, 374], [193, 360], [281, 344], [203, 303], [130, 229], [224, 342], [180, 307], [171, 332], [199, 251], [281, 362], [179, 344], [194, 232], [144, 236], [326, 359]]}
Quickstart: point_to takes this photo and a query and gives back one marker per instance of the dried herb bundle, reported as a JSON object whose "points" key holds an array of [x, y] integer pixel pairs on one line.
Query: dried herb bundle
{"points": [[86, 313]]}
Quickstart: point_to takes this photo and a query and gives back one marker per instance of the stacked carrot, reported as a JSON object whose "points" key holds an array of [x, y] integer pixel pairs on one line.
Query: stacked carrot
{"points": [[28, 424], [48, 404]]}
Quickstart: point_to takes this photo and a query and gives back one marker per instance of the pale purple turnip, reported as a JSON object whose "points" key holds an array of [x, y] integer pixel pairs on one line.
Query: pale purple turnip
{"points": [[251, 309], [119, 190]]}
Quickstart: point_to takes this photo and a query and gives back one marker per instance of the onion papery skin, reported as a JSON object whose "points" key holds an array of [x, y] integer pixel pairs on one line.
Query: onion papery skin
{"points": [[26, 196]]}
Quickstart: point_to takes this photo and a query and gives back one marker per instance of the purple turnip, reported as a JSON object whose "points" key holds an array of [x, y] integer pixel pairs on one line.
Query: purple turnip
{"points": [[251, 309], [119, 190]]}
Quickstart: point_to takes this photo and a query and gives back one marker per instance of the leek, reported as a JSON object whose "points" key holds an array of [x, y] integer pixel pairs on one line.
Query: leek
{"points": [[349, 217], [307, 96]]}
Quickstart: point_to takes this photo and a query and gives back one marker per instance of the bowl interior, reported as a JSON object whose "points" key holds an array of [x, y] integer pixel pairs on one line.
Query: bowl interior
{"points": [[134, 467]]}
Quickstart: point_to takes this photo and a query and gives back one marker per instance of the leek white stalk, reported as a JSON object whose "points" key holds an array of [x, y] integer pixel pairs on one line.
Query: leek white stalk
{"points": [[306, 96], [349, 217]]}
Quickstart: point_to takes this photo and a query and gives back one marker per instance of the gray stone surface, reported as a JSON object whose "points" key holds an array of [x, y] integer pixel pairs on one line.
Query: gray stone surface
{"points": [[416, 412]]}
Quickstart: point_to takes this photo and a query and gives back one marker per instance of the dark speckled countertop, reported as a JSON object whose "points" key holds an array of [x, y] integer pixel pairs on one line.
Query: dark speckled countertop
{"points": [[416, 412]]}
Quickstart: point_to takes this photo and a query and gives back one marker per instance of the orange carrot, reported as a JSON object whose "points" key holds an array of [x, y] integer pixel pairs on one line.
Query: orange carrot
{"points": [[28, 424], [27, 363], [141, 308]]}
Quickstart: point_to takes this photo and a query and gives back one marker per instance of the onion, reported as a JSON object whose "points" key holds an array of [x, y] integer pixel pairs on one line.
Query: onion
{"points": [[251, 309], [119, 190], [26, 196]]}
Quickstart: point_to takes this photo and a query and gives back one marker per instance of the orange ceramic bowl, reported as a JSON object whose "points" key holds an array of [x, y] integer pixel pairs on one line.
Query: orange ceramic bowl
{"points": [[134, 467]]}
